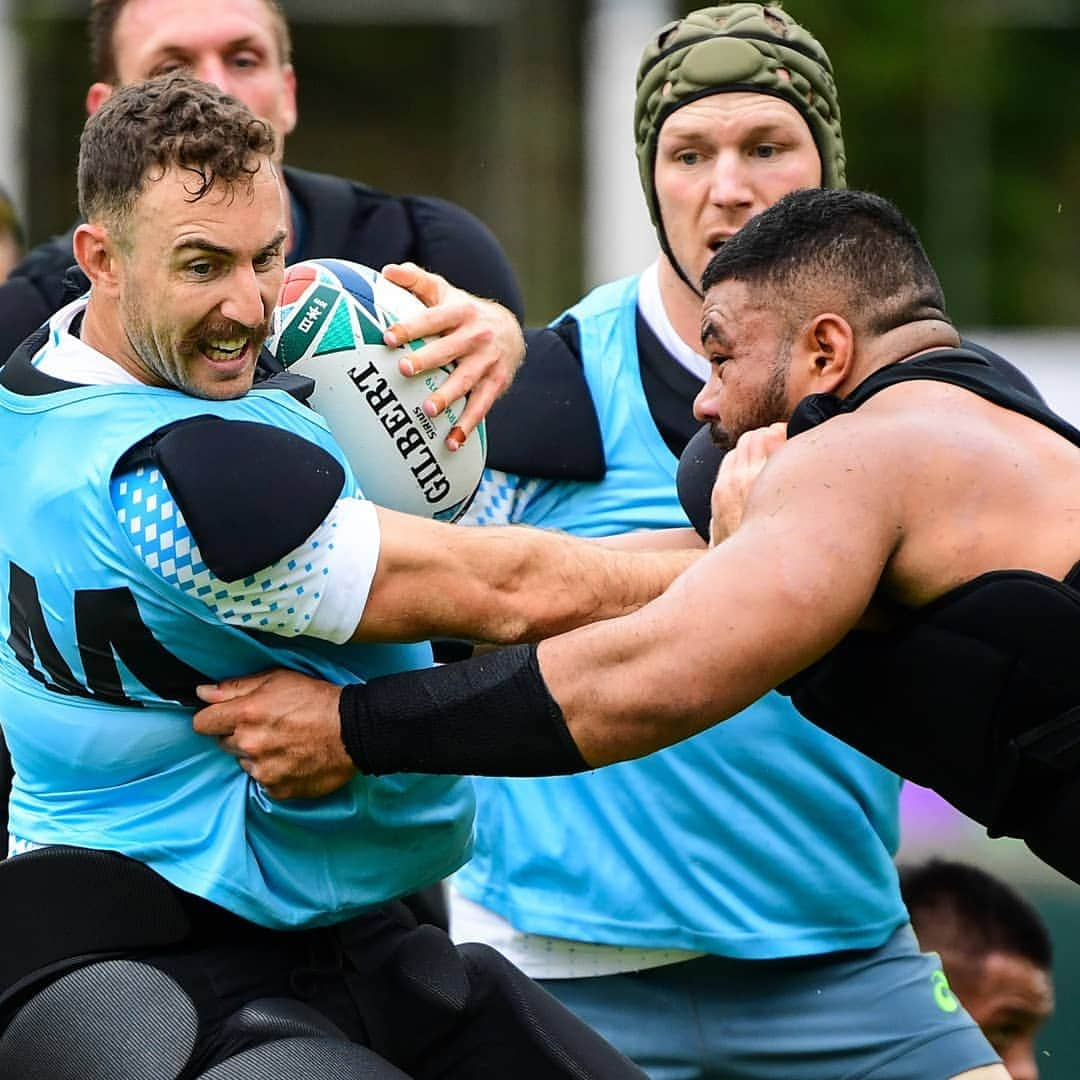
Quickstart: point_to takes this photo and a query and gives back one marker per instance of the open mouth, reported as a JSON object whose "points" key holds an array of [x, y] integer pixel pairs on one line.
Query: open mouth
{"points": [[226, 352]]}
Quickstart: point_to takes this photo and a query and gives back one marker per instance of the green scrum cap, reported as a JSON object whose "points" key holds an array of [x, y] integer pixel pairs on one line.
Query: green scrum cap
{"points": [[731, 47]]}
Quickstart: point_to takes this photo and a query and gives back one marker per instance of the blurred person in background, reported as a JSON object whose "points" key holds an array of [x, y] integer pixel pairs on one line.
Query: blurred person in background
{"points": [[11, 235], [995, 952], [244, 48]]}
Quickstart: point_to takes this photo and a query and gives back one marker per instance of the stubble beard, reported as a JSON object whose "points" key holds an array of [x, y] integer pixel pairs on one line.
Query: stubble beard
{"points": [[768, 408], [175, 364]]}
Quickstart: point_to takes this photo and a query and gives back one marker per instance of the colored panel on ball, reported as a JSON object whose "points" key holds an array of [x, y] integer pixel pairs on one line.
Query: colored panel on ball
{"points": [[297, 336], [354, 281], [339, 334], [296, 282], [372, 334]]}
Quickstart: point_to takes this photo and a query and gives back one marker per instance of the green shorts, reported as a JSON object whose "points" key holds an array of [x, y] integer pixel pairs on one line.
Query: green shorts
{"points": [[878, 1014]]}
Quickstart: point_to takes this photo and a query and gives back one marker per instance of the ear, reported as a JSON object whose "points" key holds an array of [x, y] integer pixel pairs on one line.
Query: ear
{"points": [[289, 109], [823, 354], [96, 96], [98, 258]]}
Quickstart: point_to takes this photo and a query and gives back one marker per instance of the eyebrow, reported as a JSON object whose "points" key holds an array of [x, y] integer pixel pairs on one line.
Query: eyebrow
{"points": [[197, 243], [711, 332], [169, 50], [760, 130]]}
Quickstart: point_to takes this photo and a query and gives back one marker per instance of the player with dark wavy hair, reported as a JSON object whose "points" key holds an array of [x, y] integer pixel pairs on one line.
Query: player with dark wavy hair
{"points": [[244, 48]]}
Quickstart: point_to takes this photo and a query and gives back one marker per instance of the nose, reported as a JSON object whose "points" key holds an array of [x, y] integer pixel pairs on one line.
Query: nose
{"points": [[706, 402], [210, 68], [729, 184], [245, 302]]}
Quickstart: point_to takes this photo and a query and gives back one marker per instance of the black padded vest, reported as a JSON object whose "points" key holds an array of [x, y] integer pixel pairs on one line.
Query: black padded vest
{"points": [[976, 695]]}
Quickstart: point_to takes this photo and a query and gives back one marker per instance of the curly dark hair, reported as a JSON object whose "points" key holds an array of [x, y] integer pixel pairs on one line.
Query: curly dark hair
{"points": [[145, 129], [101, 28]]}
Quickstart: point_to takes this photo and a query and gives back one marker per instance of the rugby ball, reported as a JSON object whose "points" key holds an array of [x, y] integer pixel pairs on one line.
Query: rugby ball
{"points": [[329, 326]]}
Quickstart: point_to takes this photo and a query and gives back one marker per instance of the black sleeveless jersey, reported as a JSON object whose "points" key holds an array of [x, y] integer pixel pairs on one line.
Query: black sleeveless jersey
{"points": [[976, 695]]}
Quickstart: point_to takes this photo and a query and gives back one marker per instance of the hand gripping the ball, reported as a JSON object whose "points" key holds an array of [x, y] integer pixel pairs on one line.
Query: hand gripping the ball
{"points": [[481, 337]]}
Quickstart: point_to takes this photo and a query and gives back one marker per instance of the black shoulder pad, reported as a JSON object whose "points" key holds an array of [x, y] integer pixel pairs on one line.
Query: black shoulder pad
{"points": [[249, 492], [698, 465], [545, 425], [1010, 372]]}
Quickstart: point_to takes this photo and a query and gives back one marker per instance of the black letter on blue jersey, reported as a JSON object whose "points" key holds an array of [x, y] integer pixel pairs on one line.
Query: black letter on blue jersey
{"points": [[107, 626], [29, 633], [108, 620]]}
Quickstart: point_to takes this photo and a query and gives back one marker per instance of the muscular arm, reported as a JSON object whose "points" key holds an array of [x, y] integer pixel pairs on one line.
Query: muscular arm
{"points": [[820, 526], [502, 584], [774, 597], [675, 539]]}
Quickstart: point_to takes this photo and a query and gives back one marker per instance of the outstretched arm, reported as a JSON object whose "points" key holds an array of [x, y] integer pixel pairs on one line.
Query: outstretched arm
{"points": [[502, 584], [820, 527]]}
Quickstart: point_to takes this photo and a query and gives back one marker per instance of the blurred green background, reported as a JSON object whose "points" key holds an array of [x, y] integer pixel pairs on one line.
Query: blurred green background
{"points": [[966, 114]]}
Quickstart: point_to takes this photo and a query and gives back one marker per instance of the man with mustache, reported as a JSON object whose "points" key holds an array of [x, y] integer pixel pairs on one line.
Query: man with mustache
{"points": [[244, 48], [149, 547]]}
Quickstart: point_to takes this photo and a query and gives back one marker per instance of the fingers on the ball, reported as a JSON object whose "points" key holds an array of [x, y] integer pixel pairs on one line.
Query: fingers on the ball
{"points": [[423, 284], [435, 403], [457, 384], [476, 408]]}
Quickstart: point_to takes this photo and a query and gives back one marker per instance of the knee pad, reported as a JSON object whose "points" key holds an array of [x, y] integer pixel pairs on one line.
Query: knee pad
{"points": [[412, 995], [305, 1059], [111, 1020], [279, 1018]]}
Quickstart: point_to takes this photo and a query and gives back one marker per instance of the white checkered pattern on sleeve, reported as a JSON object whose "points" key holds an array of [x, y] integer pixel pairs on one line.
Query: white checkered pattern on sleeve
{"points": [[320, 588], [500, 499]]}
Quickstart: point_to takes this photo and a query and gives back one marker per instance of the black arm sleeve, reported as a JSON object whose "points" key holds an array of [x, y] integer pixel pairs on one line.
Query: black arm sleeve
{"points": [[489, 716]]}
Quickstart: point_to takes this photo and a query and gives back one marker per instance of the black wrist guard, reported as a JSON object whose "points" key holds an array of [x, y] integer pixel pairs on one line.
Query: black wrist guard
{"points": [[491, 715]]}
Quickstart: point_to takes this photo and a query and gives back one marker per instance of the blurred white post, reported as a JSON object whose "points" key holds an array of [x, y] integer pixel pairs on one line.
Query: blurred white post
{"points": [[619, 239], [11, 108]]}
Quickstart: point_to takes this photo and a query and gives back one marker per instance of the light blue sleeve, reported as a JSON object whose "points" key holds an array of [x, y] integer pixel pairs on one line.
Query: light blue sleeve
{"points": [[501, 499]]}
